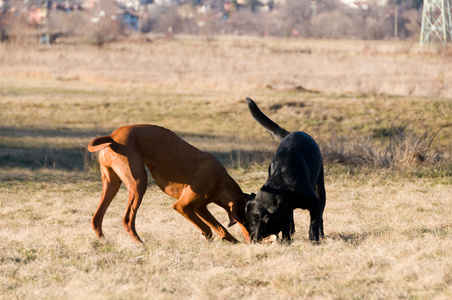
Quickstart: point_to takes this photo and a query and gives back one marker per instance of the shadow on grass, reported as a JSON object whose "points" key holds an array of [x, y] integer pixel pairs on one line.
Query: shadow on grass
{"points": [[77, 158], [77, 133], [41, 157], [50, 133], [356, 238], [353, 239]]}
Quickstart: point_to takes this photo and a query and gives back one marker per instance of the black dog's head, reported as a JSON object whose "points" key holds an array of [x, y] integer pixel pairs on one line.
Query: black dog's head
{"points": [[263, 215]]}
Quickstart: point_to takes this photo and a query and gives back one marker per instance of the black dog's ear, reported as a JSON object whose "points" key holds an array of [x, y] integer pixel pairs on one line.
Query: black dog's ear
{"points": [[252, 197]]}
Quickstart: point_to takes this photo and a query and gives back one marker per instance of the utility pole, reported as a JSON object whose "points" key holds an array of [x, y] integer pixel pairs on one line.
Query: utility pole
{"points": [[313, 9], [44, 31], [436, 22], [396, 23]]}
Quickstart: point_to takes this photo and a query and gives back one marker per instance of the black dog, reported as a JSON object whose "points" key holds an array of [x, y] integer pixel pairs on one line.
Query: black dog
{"points": [[295, 180]]}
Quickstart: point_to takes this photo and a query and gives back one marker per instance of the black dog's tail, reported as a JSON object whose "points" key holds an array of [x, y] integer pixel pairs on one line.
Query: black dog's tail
{"points": [[265, 122]]}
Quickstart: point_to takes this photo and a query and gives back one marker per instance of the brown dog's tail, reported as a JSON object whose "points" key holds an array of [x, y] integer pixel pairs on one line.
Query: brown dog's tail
{"points": [[100, 143], [265, 122]]}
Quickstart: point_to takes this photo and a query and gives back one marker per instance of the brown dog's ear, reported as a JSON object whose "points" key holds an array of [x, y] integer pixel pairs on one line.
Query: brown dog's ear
{"points": [[238, 208], [232, 221]]}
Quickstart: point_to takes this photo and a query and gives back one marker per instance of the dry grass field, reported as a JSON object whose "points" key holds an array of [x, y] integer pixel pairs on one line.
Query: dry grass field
{"points": [[381, 112]]}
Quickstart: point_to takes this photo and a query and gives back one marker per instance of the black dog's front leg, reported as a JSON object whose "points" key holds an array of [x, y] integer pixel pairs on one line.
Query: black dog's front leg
{"points": [[288, 227], [286, 235]]}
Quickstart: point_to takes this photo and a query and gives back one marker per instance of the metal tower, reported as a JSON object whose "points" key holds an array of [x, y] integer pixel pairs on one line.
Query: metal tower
{"points": [[436, 22]]}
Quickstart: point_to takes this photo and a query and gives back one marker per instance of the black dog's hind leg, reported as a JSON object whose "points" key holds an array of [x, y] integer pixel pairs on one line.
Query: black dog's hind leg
{"points": [[321, 193], [292, 224], [315, 211]]}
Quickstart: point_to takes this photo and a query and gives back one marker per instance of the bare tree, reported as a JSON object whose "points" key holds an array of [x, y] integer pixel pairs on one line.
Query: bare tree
{"points": [[296, 14]]}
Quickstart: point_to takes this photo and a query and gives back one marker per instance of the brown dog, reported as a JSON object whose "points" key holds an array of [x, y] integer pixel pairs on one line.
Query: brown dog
{"points": [[182, 171]]}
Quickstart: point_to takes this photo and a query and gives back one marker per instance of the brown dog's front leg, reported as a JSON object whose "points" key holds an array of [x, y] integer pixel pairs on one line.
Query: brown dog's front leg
{"points": [[184, 206], [210, 220]]}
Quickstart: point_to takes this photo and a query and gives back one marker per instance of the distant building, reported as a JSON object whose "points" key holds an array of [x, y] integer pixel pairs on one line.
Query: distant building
{"points": [[35, 15], [363, 4], [165, 2], [89, 4]]}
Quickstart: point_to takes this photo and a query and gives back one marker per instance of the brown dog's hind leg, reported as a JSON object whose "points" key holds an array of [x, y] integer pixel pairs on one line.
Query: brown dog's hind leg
{"points": [[110, 187], [186, 207], [210, 220], [136, 193], [134, 176]]}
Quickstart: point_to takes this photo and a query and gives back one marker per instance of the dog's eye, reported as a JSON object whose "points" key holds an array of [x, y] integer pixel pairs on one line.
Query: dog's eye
{"points": [[255, 219]]}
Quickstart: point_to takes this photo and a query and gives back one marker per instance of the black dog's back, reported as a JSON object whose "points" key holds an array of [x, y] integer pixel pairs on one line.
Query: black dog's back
{"points": [[298, 157]]}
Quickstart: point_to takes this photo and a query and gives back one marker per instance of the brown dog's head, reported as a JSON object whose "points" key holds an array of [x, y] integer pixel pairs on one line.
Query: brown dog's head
{"points": [[238, 213]]}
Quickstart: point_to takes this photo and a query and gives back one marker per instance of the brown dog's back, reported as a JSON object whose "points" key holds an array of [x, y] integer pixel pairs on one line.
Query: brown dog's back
{"points": [[171, 160]]}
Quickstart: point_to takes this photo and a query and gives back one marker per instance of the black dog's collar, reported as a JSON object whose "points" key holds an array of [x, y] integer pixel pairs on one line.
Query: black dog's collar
{"points": [[275, 191]]}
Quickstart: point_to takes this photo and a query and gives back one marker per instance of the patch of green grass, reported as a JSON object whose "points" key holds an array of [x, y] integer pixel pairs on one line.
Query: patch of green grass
{"points": [[70, 124], [22, 91]]}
